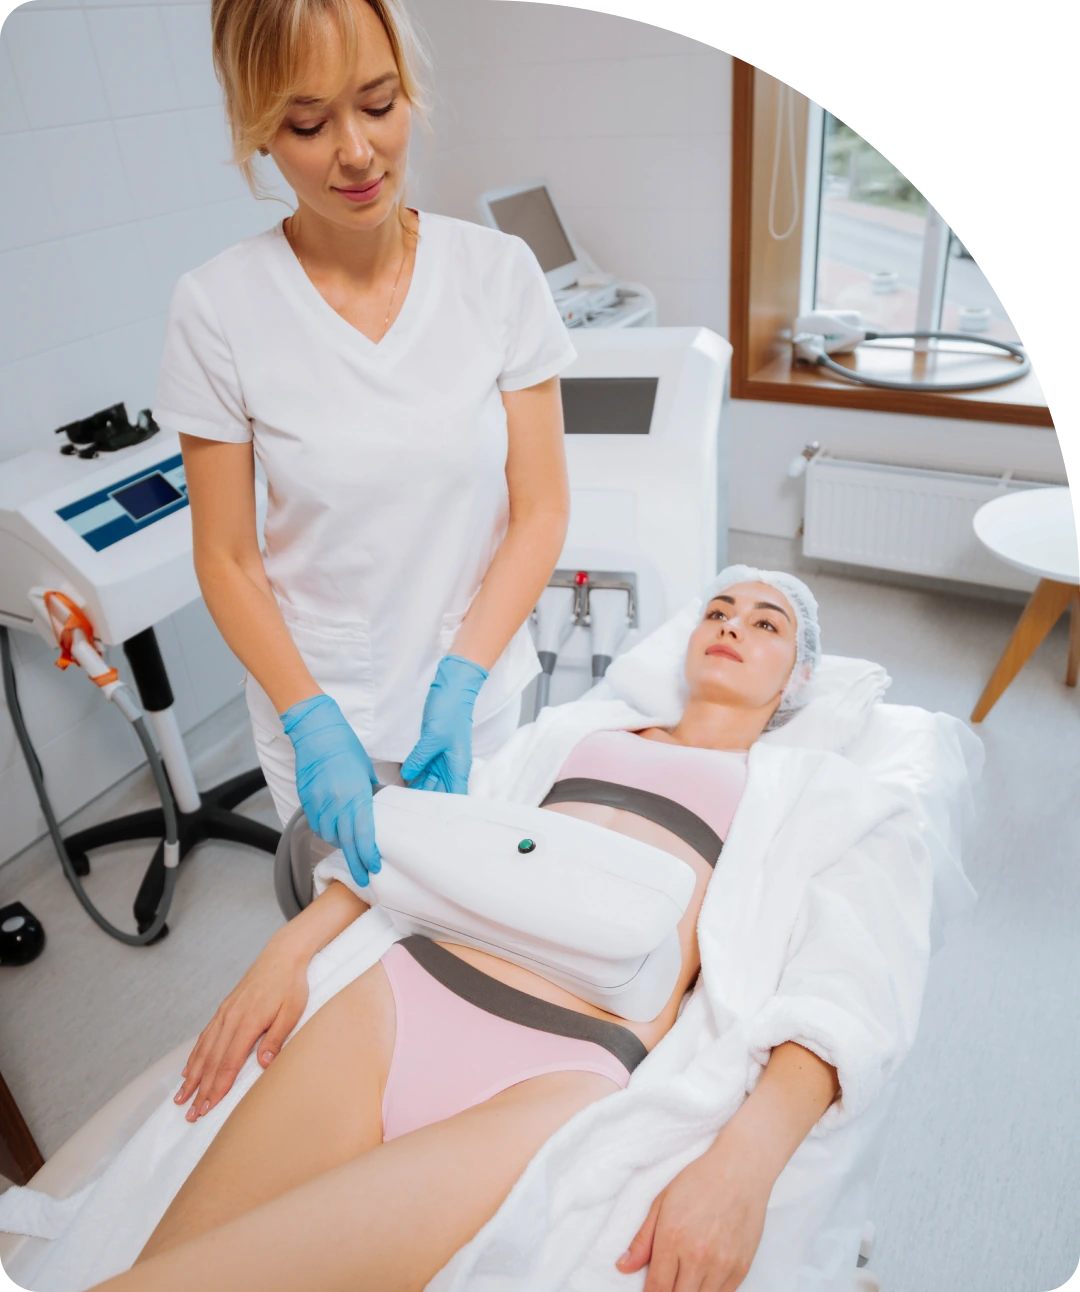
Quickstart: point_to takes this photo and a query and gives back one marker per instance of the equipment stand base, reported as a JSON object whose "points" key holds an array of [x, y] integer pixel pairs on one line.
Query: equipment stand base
{"points": [[212, 819]]}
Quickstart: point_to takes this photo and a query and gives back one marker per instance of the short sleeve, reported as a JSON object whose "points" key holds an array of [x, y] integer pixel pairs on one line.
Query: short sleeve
{"points": [[198, 390], [537, 343]]}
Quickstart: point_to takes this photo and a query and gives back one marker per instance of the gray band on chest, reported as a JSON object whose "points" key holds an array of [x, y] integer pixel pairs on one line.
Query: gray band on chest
{"points": [[653, 807]]}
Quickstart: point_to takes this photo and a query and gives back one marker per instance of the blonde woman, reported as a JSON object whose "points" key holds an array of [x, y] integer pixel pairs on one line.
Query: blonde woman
{"points": [[395, 374]]}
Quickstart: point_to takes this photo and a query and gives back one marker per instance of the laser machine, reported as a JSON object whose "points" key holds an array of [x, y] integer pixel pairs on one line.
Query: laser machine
{"points": [[93, 554], [586, 297], [647, 454]]}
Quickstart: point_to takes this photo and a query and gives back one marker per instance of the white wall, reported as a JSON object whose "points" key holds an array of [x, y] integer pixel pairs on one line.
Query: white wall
{"points": [[766, 436], [113, 152], [632, 126]]}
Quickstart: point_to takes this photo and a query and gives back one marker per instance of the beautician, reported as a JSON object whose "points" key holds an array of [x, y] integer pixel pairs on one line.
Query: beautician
{"points": [[395, 374]]}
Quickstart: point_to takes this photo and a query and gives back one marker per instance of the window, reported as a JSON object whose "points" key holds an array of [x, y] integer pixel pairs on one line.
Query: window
{"points": [[879, 247], [820, 219], [871, 233], [969, 303]]}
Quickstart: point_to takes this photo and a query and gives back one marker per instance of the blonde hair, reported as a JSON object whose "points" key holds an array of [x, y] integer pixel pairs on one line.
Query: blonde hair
{"points": [[261, 52]]}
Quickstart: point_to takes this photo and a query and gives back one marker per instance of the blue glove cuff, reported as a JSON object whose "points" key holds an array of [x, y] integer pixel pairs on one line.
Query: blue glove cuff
{"points": [[462, 673], [297, 712]]}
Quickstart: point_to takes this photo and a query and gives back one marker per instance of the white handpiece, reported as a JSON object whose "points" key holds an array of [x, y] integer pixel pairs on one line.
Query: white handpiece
{"points": [[590, 909]]}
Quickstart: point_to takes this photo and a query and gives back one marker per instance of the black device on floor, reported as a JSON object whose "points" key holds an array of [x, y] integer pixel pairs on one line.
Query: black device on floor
{"points": [[106, 431], [22, 937]]}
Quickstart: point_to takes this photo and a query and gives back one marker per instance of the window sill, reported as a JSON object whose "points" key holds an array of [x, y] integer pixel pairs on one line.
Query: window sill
{"points": [[1020, 403]]}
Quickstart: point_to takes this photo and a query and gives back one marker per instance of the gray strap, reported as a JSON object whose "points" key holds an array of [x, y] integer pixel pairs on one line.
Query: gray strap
{"points": [[653, 807], [495, 997]]}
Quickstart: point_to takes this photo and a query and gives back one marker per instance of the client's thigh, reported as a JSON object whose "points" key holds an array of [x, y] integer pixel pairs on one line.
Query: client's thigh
{"points": [[319, 1104], [388, 1219]]}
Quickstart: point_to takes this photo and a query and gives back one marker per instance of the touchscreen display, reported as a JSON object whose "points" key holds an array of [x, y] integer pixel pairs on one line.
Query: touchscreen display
{"points": [[532, 216], [146, 496], [608, 405]]}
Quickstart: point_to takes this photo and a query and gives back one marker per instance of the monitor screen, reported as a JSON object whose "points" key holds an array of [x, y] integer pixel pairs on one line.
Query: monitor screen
{"points": [[608, 405], [532, 216], [146, 496]]}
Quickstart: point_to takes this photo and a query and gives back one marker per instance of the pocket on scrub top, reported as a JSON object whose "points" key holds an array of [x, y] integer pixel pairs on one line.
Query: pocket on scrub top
{"points": [[448, 626], [338, 653]]}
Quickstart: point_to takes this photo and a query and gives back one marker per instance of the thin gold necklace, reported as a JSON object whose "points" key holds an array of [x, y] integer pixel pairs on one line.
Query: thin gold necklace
{"points": [[290, 235]]}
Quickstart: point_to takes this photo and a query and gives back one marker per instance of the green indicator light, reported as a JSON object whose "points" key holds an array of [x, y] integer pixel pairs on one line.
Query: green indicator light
{"points": [[527, 845]]}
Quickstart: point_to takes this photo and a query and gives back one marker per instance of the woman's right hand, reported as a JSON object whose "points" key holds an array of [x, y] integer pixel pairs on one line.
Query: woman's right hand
{"points": [[334, 778], [267, 1002]]}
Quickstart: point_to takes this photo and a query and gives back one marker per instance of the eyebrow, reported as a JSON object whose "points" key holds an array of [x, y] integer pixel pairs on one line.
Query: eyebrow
{"points": [[758, 605], [312, 100]]}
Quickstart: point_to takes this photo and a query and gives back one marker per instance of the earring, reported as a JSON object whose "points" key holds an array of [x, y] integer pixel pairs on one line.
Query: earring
{"points": [[264, 152]]}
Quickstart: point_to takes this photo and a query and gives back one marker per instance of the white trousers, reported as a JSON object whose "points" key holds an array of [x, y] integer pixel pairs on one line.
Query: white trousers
{"points": [[278, 761]]}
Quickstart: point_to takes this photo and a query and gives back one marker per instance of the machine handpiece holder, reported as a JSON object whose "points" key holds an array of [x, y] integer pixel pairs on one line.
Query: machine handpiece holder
{"points": [[604, 601], [555, 616], [611, 614]]}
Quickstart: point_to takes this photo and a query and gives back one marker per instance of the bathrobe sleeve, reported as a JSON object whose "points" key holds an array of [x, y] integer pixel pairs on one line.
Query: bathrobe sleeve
{"points": [[852, 985]]}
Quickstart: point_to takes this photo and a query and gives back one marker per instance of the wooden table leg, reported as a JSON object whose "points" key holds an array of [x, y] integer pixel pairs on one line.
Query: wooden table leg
{"points": [[1048, 603], [20, 1157], [1072, 672]]}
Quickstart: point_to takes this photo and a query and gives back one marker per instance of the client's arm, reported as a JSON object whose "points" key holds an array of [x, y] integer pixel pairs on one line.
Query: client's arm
{"points": [[267, 1001], [705, 1227]]}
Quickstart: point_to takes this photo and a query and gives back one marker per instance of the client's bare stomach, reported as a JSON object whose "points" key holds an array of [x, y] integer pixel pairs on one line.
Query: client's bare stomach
{"points": [[535, 985]]}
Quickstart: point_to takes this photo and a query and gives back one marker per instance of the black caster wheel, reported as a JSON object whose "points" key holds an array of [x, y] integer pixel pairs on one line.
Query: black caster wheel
{"points": [[162, 933], [22, 937], [80, 863]]}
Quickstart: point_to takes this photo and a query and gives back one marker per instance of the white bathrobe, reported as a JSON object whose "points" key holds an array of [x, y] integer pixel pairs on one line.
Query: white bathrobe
{"points": [[816, 927]]}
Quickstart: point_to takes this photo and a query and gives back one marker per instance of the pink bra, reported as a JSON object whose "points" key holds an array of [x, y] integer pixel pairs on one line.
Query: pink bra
{"points": [[691, 792]]}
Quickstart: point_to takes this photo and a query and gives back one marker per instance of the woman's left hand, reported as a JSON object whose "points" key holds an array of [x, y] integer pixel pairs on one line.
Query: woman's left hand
{"points": [[703, 1230], [442, 757]]}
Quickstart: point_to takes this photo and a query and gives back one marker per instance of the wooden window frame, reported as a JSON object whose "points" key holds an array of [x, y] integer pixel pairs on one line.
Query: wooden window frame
{"points": [[764, 300]]}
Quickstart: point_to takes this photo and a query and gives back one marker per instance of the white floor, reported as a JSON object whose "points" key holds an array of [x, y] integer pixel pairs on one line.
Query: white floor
{"points": [[979, 1186]]}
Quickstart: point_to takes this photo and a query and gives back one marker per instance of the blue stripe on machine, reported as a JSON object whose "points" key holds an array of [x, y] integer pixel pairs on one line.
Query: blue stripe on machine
{"points": [[103, 495], [123, 526]]}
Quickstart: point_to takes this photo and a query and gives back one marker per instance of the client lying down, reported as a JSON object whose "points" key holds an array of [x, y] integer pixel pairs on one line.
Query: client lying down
{"points": [[395, 1122]]}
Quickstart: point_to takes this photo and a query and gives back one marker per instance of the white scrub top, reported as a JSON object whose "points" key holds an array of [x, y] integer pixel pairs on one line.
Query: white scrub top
{"points": [[385, 461]]}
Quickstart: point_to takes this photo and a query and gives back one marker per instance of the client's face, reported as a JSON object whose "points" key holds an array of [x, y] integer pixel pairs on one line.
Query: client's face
{"points": [[743, 650]]}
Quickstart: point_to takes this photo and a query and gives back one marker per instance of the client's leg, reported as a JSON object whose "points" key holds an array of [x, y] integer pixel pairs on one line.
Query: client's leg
{"points": [[319, 1104], [388, 1220]]}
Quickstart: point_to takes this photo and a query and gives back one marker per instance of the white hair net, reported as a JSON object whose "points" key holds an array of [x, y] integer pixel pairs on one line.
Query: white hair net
{"points": [[807, 629]]}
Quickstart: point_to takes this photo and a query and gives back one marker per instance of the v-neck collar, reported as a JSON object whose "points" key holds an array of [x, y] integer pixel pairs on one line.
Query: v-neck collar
{"points": [[306, 295]]}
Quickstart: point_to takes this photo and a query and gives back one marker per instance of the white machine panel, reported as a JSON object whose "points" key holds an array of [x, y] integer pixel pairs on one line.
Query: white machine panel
{"points": [[113, 531], [648, 461]]}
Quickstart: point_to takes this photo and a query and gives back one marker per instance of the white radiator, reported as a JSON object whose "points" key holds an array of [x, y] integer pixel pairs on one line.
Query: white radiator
{"points": [[905, 518]]}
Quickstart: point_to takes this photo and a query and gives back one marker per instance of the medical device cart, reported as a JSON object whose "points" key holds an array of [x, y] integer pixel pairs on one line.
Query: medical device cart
{"points": [[113, 537]]}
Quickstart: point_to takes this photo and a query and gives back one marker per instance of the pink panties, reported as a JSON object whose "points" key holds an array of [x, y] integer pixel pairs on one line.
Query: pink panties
{"points": [[463, 1036]]}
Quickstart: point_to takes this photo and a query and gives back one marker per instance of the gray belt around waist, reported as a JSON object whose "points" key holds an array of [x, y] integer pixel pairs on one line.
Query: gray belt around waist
{"points": [[653, 807]]}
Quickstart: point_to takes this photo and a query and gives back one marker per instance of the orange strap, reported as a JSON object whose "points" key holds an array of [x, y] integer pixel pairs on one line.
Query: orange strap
{"points": [[75, 621]]}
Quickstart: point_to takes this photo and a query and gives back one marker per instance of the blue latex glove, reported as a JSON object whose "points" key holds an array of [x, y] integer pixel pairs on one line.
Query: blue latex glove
{"points": [[442, 757], [334, 777]]}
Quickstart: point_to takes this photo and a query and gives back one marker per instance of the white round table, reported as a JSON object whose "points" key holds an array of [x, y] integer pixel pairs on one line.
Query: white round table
{"points": [[1034, 530]]}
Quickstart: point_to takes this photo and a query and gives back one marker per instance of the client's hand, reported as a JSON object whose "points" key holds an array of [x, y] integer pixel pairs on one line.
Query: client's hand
{"points": [[702, 1231], [267, 1002]]}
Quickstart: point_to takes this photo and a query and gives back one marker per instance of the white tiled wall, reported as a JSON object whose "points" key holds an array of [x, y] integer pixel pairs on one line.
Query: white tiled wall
{"points": [[630, 125], [114, 155]]}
